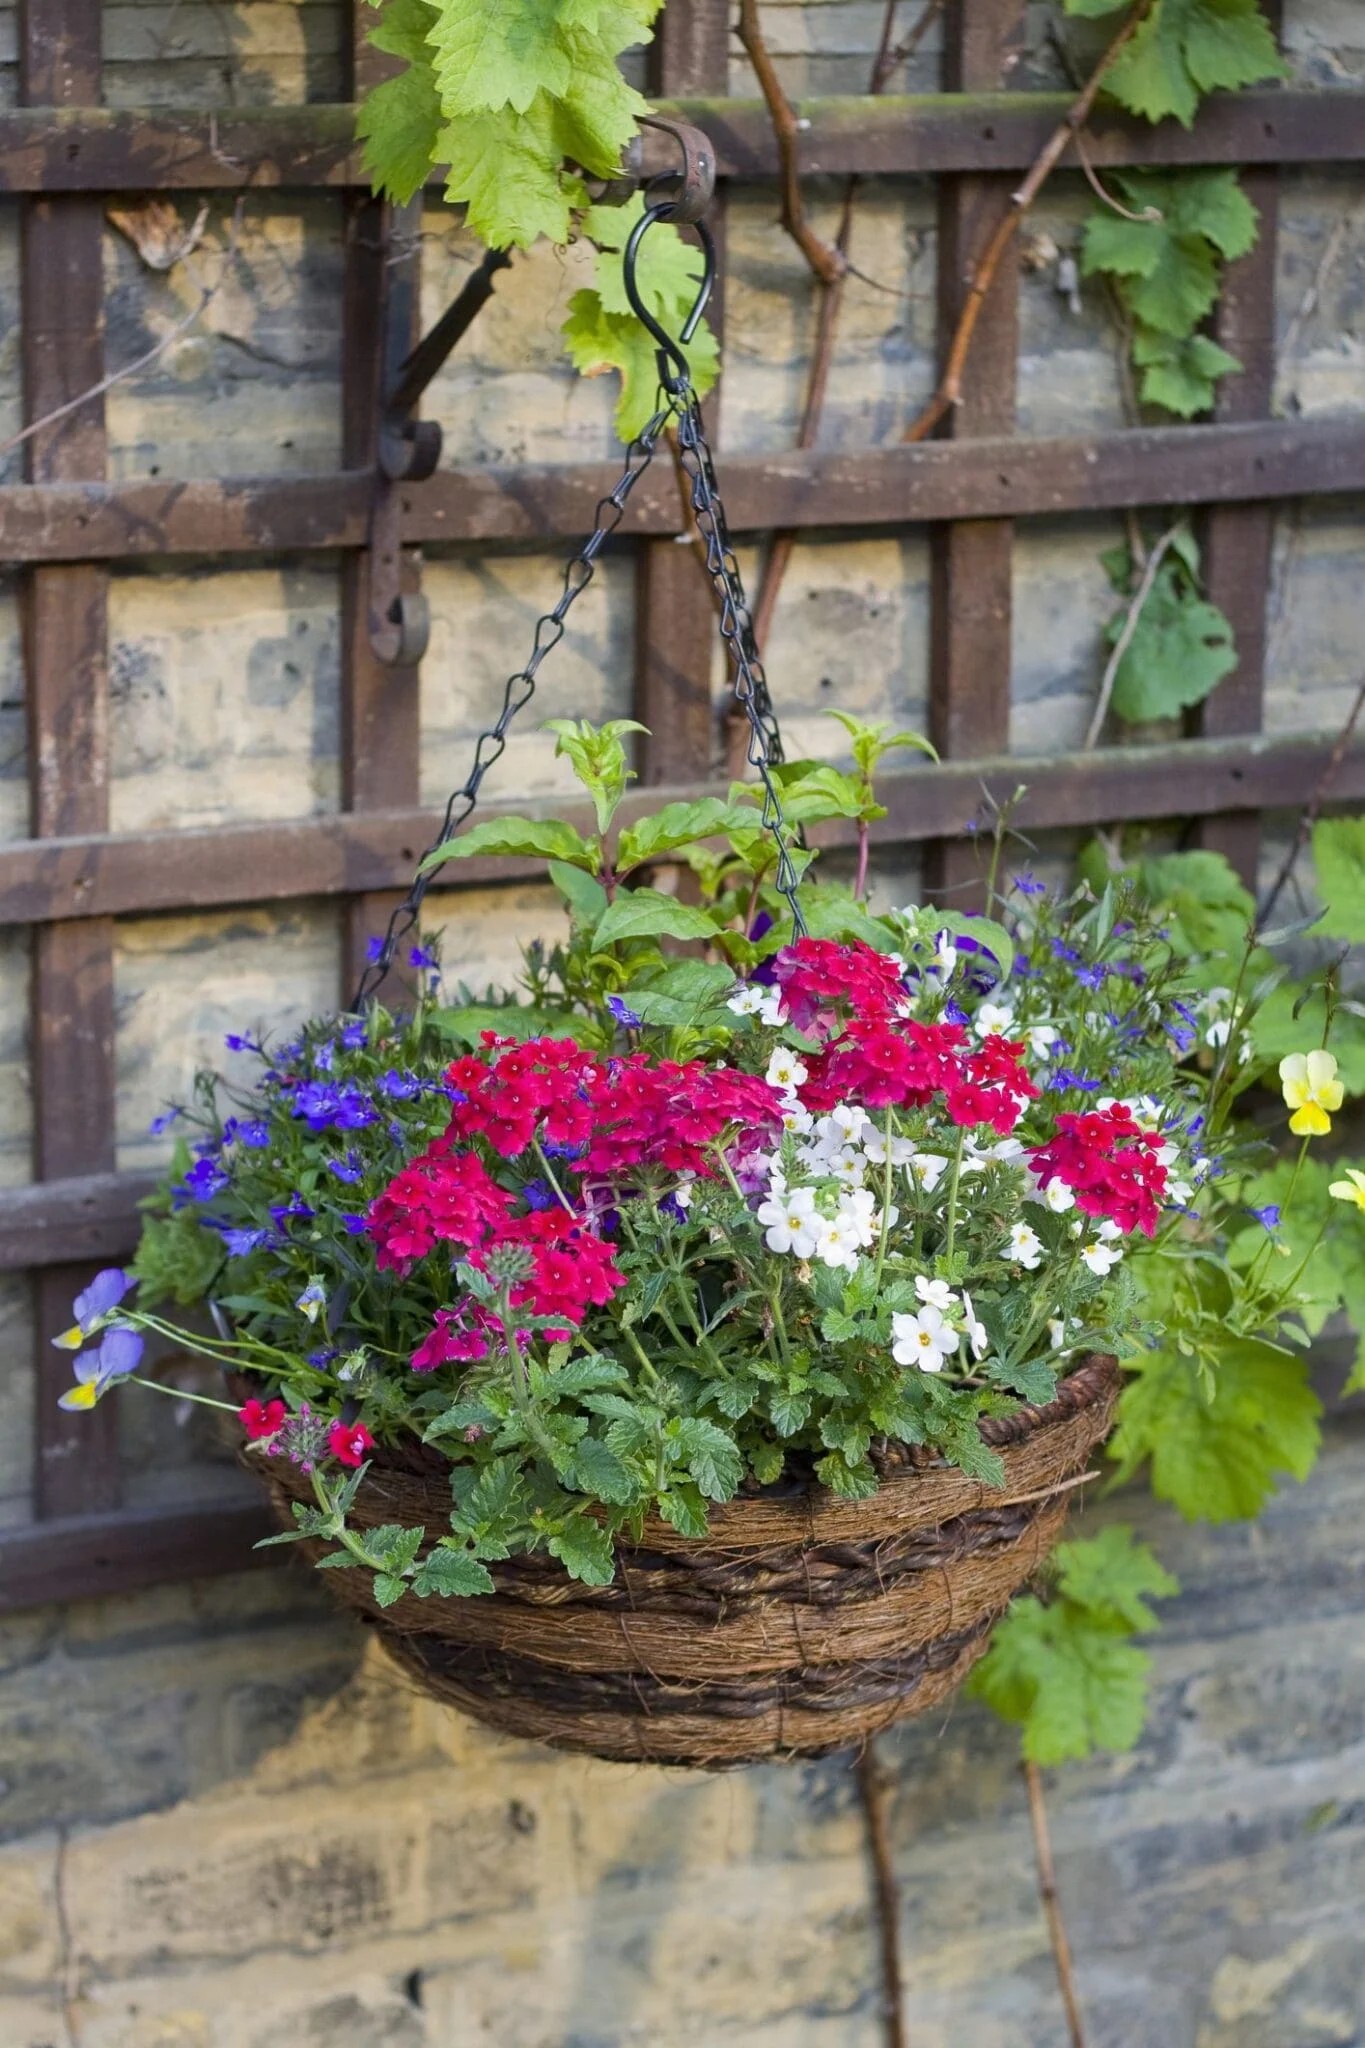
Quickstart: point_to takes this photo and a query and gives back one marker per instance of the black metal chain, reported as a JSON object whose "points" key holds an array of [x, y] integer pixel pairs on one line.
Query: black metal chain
{"points": [[750, 685]]}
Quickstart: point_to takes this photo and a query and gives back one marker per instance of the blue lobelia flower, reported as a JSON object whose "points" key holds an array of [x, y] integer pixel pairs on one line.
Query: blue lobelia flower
{"points": [[1028, 885], [237, 1242], [374, 950], [295, 1206], [204, 1180], [539, 1195], [1092, 977], [622, 1012], [401, 1087], [163, 1122], [93, 1304], [420, 957], [355, 1034], [1269, 1216], [353, 1225], [349, 1169], [242, 1041], [118, 1353], [254, 1132]]}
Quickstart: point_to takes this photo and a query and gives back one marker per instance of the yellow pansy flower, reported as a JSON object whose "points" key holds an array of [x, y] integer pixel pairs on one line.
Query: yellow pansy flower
{"points": [[1311, 1090], [1352, 1189]]}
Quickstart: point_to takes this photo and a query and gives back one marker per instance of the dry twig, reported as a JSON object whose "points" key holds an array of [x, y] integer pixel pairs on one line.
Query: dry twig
{"points": [[872, 1787], [1312, 809], [207, 293], [1052, 1905], [824, 259], [983, 273], [1125, 639]]}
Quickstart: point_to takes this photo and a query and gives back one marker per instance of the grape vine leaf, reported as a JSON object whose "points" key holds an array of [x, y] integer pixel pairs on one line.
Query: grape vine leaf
{"points": [[1187, 47], [1180, 373], [399, 121], [1166, 268], [1112, 1576], [505, 169], [1181, 648], [1339, 857], [1216, 1456], [601, 332]]}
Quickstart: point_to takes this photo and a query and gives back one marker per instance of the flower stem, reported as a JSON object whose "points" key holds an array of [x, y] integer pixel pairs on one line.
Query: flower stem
{"points": [[549, 1174], [888, 1132], [179, 1394], [952, 1191]]}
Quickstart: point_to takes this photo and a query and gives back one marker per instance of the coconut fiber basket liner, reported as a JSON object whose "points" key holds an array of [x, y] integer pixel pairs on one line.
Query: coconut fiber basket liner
{"points": [[800, 1624]]}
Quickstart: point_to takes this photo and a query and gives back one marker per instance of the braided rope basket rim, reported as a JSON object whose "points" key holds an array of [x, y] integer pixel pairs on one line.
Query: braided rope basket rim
{"points": [[801, 1623]]}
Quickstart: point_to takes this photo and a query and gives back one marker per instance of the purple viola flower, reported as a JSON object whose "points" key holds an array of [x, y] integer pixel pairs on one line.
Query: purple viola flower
{"points": [[255, 1133], [624, 1015], [350, 1169], [163, 1122], [355, 1035], [203, 1181], [118, 1353], [400, 1087], [1269, 1216], [93, 1304]]}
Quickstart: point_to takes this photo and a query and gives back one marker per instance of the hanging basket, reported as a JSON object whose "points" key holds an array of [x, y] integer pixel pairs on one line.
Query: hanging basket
{"points": [[802, 1623]]}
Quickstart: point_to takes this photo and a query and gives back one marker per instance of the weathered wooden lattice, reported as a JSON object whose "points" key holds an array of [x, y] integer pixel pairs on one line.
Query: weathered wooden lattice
{"points": [[63, 153]]}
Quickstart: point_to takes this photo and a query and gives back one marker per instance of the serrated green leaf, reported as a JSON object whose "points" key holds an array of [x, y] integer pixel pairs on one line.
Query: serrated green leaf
{"points": [[1339, 857], [536, 838], [1180, 650], [451, 1573], [1186, 47], [598, 1471], [599, 343], [649, 914], [504, 168], [766, 1462], [857, 1481], [1180, 373], [679, 996], [1112, 1576], [683, 1508], [1218, 1459], [710, 1456], [584, 1549], [177, 1260], [1070, 1684], [388, 1588], [399, 121], [789, 1408]]}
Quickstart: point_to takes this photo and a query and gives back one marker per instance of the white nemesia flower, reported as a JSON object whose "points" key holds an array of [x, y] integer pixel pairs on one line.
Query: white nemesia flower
{"points": [[1058, 1197], [682, 1193], [945, 956], [1040, 1039], [1218, 1032], [773, 1007], [874, 1147], [859, 1214], [796, 1119], [1025, 1246], [1100, 1258], [934, 1293], [847, 1122], [1056, 1329], [790, 1220], [928, 1168], [978, 1336], [993, 1020], [848, 1166], [786, 1071], [837, 1244], [924, 1340], [745, 1002], [1179, 1192], [1108, 1230]]}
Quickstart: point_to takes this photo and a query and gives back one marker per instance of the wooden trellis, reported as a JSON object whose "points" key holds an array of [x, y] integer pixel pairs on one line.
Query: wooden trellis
{"points": [[60, 151]]}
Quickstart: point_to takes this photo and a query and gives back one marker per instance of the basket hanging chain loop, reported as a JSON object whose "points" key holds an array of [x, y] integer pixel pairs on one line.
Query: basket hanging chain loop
{"points": [[517, 693], [680, 406]]}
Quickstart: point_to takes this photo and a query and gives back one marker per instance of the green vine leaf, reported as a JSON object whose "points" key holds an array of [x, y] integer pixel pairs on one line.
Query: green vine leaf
{"points": [[1188, 47], [1181, 648], [603, 335], [1180, 374], [1166, 269], [400, 121]]}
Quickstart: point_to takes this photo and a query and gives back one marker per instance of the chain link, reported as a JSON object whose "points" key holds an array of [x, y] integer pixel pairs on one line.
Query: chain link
{"points": [[749, 683]]}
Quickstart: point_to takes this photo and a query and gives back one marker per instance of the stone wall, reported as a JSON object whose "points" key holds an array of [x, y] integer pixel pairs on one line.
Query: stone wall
{"points": [[229, 1826]]}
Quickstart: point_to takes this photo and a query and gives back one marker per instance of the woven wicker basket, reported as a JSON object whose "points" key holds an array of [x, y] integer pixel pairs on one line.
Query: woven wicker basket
{"points": [[801, 1624]]}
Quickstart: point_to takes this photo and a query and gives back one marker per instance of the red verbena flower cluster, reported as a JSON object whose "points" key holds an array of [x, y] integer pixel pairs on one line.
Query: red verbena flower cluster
{"points": [[613, 1114], [883, 1057], [1110, 1163]]}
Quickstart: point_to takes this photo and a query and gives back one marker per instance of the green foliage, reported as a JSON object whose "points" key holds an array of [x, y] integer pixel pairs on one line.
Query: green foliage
{"points": [[1217, 1440], [601, 331], [1166, 268], [597, 755], [176, 1260], [524, 838], [1066, 1671], [649, 914], [1339, 857], [1185, 48], [1181, 647], [400, 121]]}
